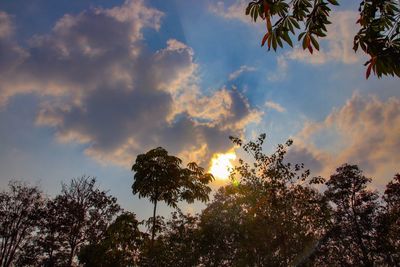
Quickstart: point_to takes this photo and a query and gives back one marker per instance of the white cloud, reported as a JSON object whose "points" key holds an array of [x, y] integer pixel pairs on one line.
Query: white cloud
{"points": [[281, 70], [100, 85], [234, 75], [6, 25], [232, 11], [275, 106], [365, 131]]}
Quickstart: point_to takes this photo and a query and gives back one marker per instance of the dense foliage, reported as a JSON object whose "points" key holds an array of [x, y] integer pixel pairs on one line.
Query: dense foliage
{"points": [[273, 213], [378, 35]]}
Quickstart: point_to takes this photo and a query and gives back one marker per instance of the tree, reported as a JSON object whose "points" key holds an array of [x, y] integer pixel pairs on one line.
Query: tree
{"points": [[388, 229], [119, 247], [84, 213], [352, 239], [45, 248], [269, 216], [20, 211], [177, 244], [160, 177], [378, 37]]}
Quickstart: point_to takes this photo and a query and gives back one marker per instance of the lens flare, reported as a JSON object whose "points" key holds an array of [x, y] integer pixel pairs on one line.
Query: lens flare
{"points": [[221, 165]]}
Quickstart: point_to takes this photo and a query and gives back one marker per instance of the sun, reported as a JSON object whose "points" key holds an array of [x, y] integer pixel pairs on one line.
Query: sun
{"points": [[221, 165]]}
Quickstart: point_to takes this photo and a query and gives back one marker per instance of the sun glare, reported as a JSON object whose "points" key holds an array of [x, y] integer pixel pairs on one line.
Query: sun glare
{"points": [[221, 164]]}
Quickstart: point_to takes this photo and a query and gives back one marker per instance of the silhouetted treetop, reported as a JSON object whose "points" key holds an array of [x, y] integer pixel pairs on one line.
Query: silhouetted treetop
{"points": [[160, 177]]}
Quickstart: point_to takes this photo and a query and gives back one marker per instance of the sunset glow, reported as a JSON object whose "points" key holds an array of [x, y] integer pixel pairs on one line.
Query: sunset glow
{"points": [[221, 165]]}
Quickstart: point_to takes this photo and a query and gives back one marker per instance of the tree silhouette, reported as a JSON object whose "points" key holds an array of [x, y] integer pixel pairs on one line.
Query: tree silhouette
{"points": [[270, 217], [119, 247], [84, 213], [388, 228], [351, 240], [20, 211], [160, 177], [378, 37]]}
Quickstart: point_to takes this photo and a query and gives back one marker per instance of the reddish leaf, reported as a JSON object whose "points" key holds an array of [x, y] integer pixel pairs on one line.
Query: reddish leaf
{"points": [[310, 48], [264, 39]]}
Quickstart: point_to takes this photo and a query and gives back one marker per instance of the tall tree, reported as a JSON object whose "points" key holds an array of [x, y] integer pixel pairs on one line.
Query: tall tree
{"points": [[84, 213], [160, 177], [388, 229], [378, 37], [20, 210], [352, 237]]}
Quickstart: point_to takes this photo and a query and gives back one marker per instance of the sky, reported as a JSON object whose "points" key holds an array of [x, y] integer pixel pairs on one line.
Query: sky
{"points": [[86, 86]]}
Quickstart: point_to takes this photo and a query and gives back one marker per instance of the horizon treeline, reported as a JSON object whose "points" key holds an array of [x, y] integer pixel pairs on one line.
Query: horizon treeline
{"points": [[273, 213]]}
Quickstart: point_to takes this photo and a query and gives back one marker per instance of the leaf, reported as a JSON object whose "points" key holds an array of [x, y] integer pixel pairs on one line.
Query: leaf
{"points": [[304, 44], [333, 2], [314, 42], [269, 24], [310, 48], [278, 39], [264, 39], [274, 43], [269, 41], [287, 39], [301, 35], [248, 8]]}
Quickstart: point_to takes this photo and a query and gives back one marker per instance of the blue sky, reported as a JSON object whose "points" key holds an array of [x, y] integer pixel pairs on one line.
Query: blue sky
{"points": [[87, 85]]}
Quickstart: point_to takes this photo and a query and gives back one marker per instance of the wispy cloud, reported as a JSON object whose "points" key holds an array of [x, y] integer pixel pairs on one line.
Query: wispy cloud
{"points": [[281, 71], [232, 11], [275, 106], [234, 75]]}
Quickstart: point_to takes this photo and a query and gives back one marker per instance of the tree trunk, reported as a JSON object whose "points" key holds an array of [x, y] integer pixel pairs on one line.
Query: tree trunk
{"points": [[71, 256]]}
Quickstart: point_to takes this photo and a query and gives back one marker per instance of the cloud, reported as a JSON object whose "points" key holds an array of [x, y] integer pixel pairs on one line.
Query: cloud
{"points": [[234, 75], [339, 42], [235, 11], [6, 25], [275, 106], [364, 131], [100, 85], [11, 54], [281, 70]]}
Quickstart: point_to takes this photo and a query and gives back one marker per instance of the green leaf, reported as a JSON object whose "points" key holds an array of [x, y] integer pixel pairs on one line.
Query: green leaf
{"points": [[287, 39], [314, 42], [333, 2]]}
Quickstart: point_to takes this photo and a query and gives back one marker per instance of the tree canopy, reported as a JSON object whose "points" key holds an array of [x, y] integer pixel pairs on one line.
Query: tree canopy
{"points": [[307, 20], [273, 213], [160, 177]]}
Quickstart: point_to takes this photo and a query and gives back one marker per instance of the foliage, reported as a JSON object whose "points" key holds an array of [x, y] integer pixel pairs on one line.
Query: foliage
{"points": [[119, 247], [177, 245], [268, 219], [389, 223], [270, 215], [20, 211], [351, 239], [160, 177], [378, 37], [83, 213]]}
